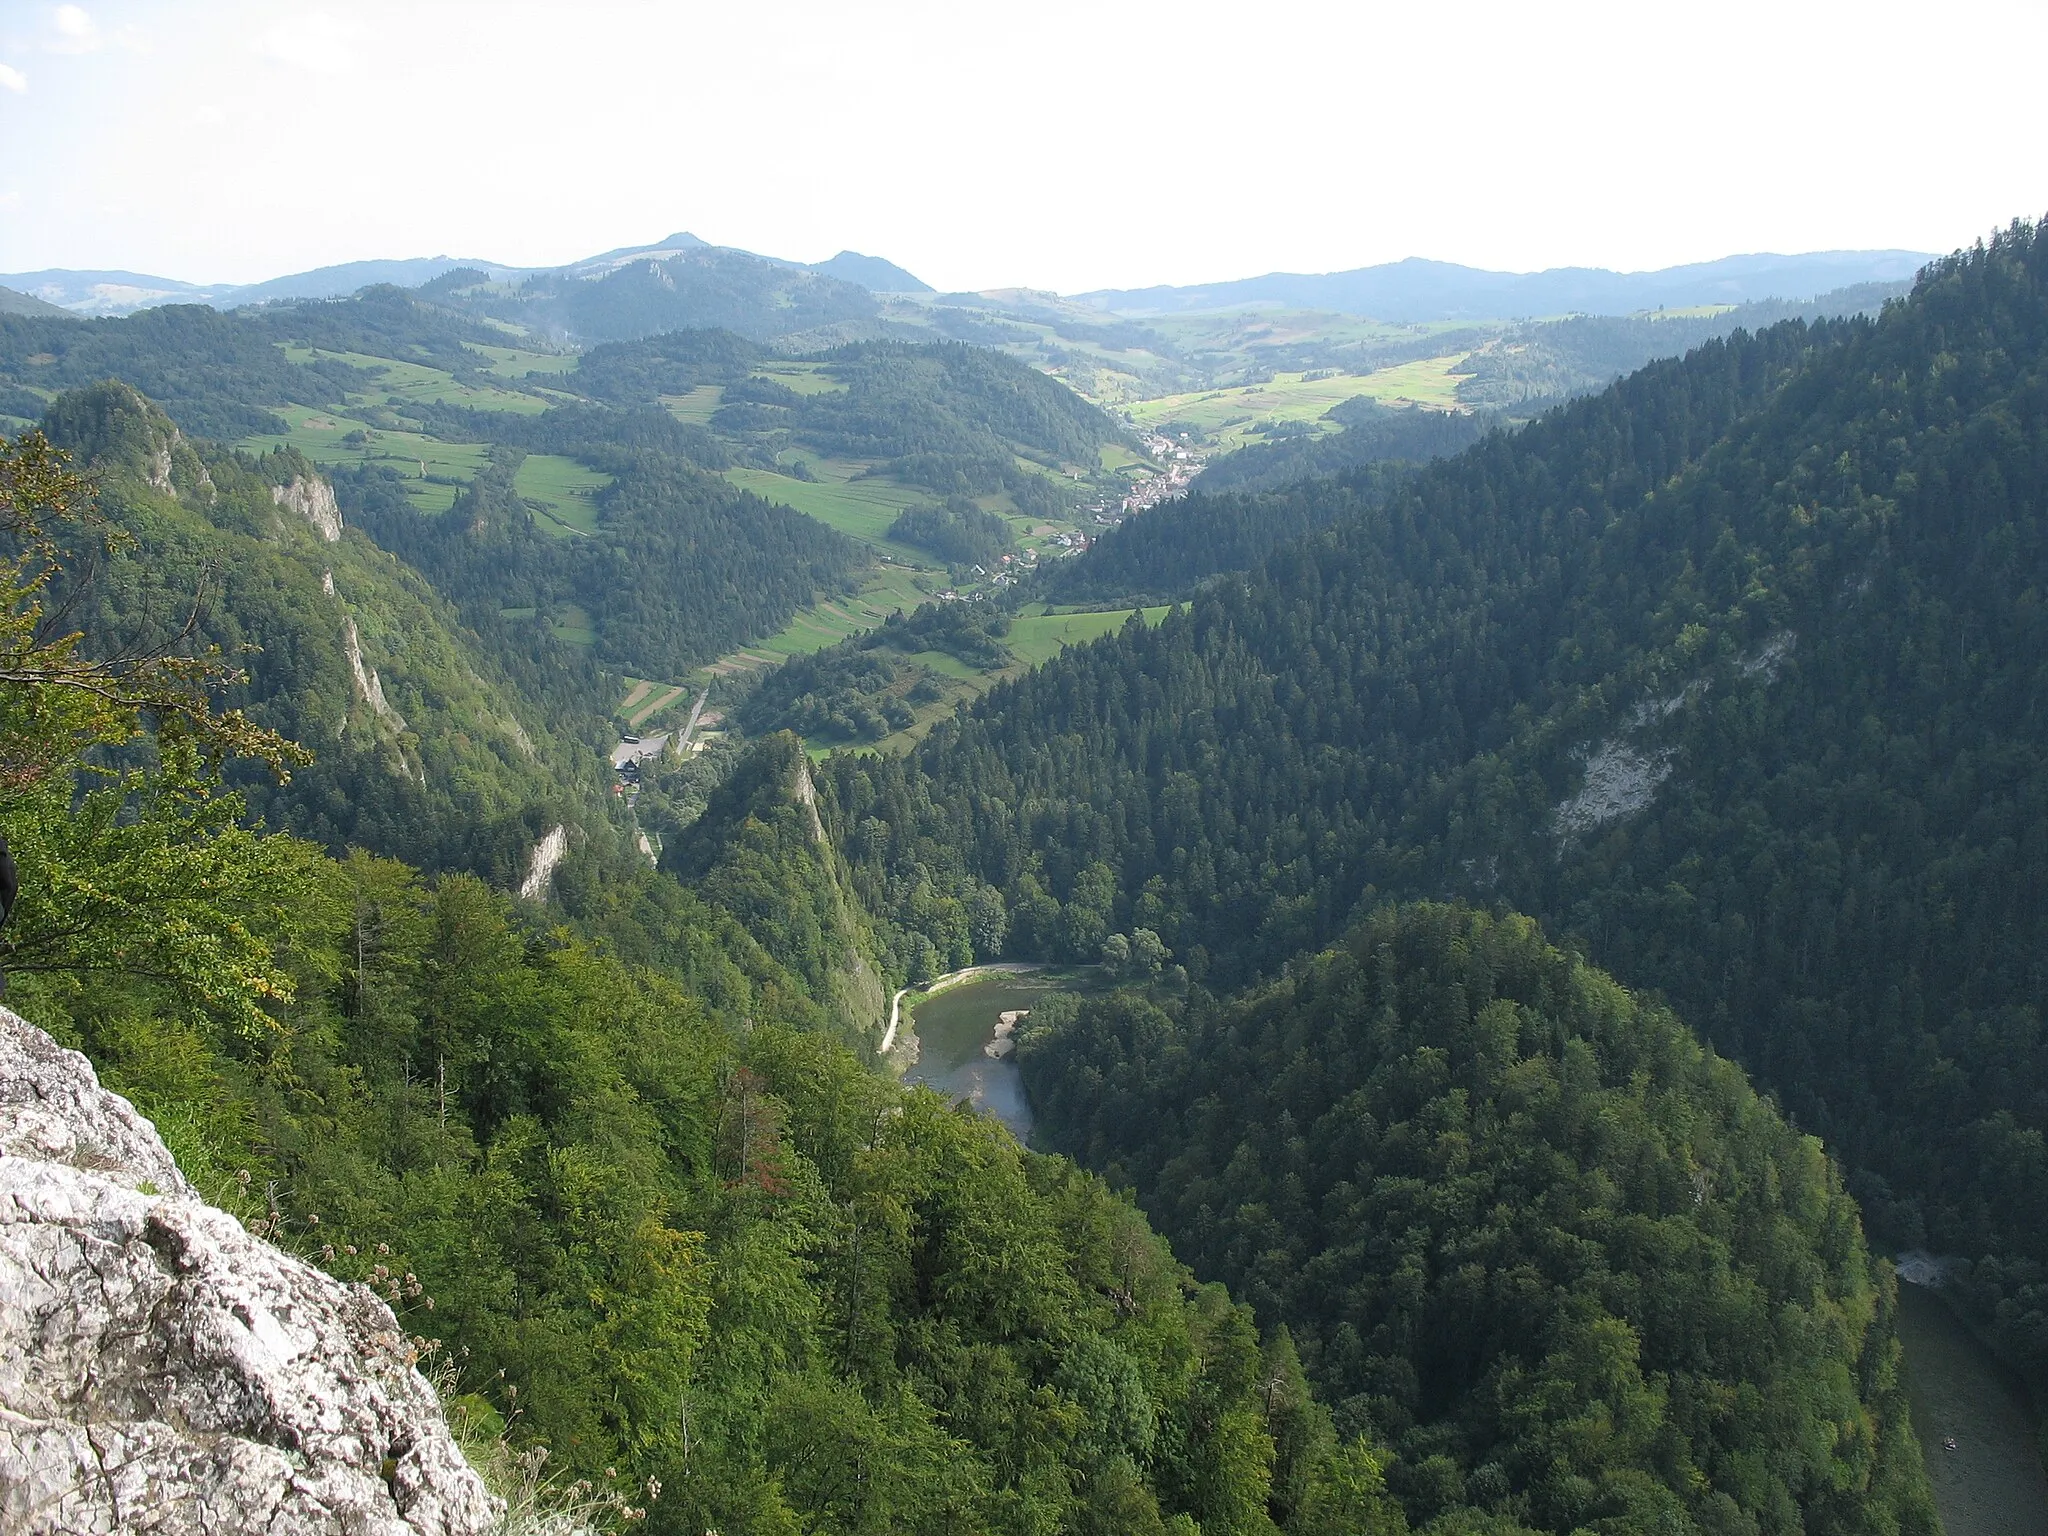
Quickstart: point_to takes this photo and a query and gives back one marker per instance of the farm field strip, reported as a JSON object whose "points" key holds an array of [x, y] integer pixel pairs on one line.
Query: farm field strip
{"points": [[892, 589], [517, 363], [663, 697], [1038, 638], [695, 407]]}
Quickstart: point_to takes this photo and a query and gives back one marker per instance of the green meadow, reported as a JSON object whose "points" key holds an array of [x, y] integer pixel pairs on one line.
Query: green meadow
{"points": [[403, 383], [564, 489], [888, 589], [1228, 418], [517, 362], [859, 508], [427, 464], [1036, 638], [804, 378], [696, 407]]}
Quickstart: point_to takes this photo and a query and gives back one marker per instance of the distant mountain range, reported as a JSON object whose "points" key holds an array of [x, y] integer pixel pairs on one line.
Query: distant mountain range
{"points": [[1402, 291], [1416, 289], [96, 293]]}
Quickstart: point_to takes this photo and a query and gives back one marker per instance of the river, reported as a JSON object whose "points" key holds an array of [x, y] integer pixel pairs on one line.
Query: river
{"points": [[1990, 1483], [953, 1026]]}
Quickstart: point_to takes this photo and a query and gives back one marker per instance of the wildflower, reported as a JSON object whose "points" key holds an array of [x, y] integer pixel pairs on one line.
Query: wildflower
{"points": [[312, 1220], [653, 1489], [327, 1253], [349, 1249]]}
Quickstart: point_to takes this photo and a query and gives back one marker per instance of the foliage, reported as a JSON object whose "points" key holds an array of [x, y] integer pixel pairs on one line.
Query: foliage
{"points": [[682, 568], [864, 687], [1780, 593], [728, 1261], [1373, 433], [139, 870], [958, 532], [1169, 550], [709, 288], [1564, 1259], [459, 768], [221, 376]]}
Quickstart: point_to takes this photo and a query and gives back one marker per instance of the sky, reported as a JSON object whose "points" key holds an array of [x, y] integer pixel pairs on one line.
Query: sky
{"points": [[1042, 144]]}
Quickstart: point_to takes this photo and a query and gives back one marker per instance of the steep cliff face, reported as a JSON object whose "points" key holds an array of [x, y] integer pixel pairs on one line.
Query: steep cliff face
{"points": [[313, 499], [162, 1370]]}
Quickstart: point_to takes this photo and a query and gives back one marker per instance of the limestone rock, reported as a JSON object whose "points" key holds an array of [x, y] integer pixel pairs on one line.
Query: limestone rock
{"points": [[313, 499], [163, 1371]]}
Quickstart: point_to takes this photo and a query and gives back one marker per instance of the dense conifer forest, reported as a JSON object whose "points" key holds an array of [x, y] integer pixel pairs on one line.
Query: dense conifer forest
{"points": [[1729, 677], [1516, 1220], [1729, 674]]}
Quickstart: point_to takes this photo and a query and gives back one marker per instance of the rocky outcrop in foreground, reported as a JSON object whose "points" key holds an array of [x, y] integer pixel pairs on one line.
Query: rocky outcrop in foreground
{"points": [[163, 1371]]}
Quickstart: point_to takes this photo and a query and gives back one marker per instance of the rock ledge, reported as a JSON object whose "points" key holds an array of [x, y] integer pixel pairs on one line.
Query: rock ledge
{"points": [[163, 1371]]}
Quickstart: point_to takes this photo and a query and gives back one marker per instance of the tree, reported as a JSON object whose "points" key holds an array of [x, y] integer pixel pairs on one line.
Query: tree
{"points": [[130, 855]]}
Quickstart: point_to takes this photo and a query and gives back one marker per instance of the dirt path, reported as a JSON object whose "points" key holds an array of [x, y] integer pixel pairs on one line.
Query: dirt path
{"points": [[951, 979]]}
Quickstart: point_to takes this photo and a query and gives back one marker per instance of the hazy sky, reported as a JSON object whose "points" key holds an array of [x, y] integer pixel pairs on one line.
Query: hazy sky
{"points": [[1047, 144]]}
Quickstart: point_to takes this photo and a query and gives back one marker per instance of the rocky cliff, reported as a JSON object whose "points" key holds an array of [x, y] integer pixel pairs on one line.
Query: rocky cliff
{"points": [[162, 1370]]}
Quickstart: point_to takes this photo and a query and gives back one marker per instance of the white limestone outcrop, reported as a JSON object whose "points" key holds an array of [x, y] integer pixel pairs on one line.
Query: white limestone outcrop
{"points": [[313, 499], [164, 1371]]}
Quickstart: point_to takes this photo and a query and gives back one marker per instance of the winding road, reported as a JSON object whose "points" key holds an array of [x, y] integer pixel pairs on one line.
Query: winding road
{"points": [[950, 979]]}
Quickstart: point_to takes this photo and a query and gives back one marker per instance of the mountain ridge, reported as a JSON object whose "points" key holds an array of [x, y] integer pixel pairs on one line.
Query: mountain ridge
{"points": [[92, 292], [1417, 288]]}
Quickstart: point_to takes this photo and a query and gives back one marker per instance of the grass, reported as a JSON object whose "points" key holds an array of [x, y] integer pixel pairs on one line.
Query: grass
{"points": [[660, 696], [1040, 637], [1033, 638], [1227, 417], [889, 589], [566, 489], [947, 665], [517, 363], [804, 378], [402, 383], [861, 509], [319, 436], [574, 625], [1992, 1483], [697, 405]]}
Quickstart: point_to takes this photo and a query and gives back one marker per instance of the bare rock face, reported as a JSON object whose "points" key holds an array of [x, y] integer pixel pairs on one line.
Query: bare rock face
{"points": [[313, 499], [163, 1371]]}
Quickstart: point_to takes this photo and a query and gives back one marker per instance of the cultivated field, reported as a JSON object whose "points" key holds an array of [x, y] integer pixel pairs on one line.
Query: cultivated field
{"points": [[1035, 638]]}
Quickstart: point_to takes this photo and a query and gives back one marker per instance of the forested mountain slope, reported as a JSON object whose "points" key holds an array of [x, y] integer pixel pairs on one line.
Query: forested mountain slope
{"points": [[632, 1206], [1732, 674], [1519, 1221], [420, 742], [1643, 430]]}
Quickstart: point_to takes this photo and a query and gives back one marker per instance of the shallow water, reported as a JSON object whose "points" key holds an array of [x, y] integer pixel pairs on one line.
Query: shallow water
{"points": [[1991, 1483], [952, 1028]]}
